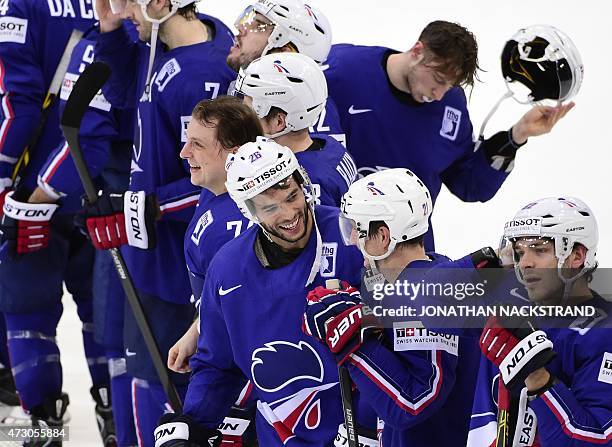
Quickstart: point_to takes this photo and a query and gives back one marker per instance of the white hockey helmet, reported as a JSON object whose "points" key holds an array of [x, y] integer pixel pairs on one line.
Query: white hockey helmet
{"points": [[567, 221], [257, 166], [395, 196], [290, 81], [543, 61], [295, 23]]}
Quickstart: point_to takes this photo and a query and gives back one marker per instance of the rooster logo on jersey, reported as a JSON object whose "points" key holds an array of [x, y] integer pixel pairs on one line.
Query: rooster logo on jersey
{"points": [[301, 365]]}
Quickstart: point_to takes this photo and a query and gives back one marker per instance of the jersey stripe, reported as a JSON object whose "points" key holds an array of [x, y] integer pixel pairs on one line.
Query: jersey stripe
{"points": [[7, 110], [399, 397], [588, 434], [179, 204], [55, 163]]}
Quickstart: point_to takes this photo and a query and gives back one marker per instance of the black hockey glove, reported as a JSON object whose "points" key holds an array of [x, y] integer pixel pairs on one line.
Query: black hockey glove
{"points": [[182, 431]]}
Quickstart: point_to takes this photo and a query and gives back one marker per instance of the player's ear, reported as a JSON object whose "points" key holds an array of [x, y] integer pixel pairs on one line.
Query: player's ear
{"points": [[280, 121], [417, 52], [577, 257]]}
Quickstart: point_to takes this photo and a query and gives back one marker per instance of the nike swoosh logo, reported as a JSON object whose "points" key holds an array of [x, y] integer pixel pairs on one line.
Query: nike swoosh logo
{"points": [[129, 353], [353, 111], [515, 293], [223, 292]]}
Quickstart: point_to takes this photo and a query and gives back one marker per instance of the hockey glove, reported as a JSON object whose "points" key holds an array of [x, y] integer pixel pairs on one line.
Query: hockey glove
{"points": [[24, 227], [517, 352], [182, 431], [238, 428], [336, 318], [500, 150], [117, 219]]}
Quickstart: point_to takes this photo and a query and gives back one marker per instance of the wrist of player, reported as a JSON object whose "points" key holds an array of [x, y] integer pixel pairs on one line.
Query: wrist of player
{"points": [[182, 431], [500, 149], [119, 219], [25, 227]]}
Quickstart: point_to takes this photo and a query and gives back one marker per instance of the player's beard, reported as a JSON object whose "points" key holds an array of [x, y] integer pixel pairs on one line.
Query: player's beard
{"points": [[305, 218]]}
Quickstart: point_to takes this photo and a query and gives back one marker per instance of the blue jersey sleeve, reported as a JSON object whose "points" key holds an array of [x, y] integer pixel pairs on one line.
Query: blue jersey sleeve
{"points": [[101, 127], [483, 420], [122, 54], [22, 85], [471, 178], [579, 413], [404, 388], [216, 381]]}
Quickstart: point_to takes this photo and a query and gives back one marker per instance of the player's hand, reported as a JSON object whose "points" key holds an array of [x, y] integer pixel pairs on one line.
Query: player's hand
{"points": [[179, 354], [24, 227], [335, 317], [182, 431], [517, 352], [539, 121], [110, 20], [117, 219]]}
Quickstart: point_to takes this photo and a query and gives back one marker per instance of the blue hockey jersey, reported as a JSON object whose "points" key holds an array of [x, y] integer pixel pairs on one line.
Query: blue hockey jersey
{"points": [[105, 136], [181, 77], [330, 167], [216, 221], [251, 327], [33, 36], [420, 382], [385, 130], [577, 410]]}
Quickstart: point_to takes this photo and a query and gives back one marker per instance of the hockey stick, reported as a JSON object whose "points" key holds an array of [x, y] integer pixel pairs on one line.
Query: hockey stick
{"points": [[50, 97], [86, 87], [507, 412], [346, 389]]}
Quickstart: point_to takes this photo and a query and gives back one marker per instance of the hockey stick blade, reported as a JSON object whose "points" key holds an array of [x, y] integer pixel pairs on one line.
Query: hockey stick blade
{"points": [[85, 89], [87, 86]]}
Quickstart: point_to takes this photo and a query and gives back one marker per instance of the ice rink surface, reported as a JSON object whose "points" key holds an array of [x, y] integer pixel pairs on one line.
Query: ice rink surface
{"points": [[575, 159]]}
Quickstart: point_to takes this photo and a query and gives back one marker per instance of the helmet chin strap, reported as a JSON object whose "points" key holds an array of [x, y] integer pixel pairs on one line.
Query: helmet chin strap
{"points": [[153, 42], [285, 131], [505, 96]]}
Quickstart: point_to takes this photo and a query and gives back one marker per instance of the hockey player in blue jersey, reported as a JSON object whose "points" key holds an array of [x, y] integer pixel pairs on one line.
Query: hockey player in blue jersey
{"points": [[164, 81], [217, 129], [566, 401], [251, 311], [418, 117], [280, 26], [422, 391], [32, 56], [288, 92], [106, 139]]}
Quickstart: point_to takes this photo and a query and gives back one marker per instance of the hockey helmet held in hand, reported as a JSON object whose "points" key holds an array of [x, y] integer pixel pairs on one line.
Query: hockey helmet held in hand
{"points": [[544, 61]]}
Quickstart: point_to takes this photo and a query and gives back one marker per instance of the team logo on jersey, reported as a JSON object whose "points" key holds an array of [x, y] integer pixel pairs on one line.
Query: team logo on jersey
{"points": [[328, 259], [203, 222], [450, 123], [279, 67], [605, 371], [13, 29], [301, 363], [185, 120], [167, 72], [374, 190]]}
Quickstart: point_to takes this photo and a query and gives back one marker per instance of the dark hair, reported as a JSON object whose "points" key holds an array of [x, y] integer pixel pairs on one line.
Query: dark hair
{"points": [[375, 225], [188, 12], [236, 123], [453, 49]]}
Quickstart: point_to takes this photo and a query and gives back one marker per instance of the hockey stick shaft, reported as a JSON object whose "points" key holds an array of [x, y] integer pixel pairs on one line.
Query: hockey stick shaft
{"points": [[506, 416], [48, 102], [346, 389], [87, 86]]}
